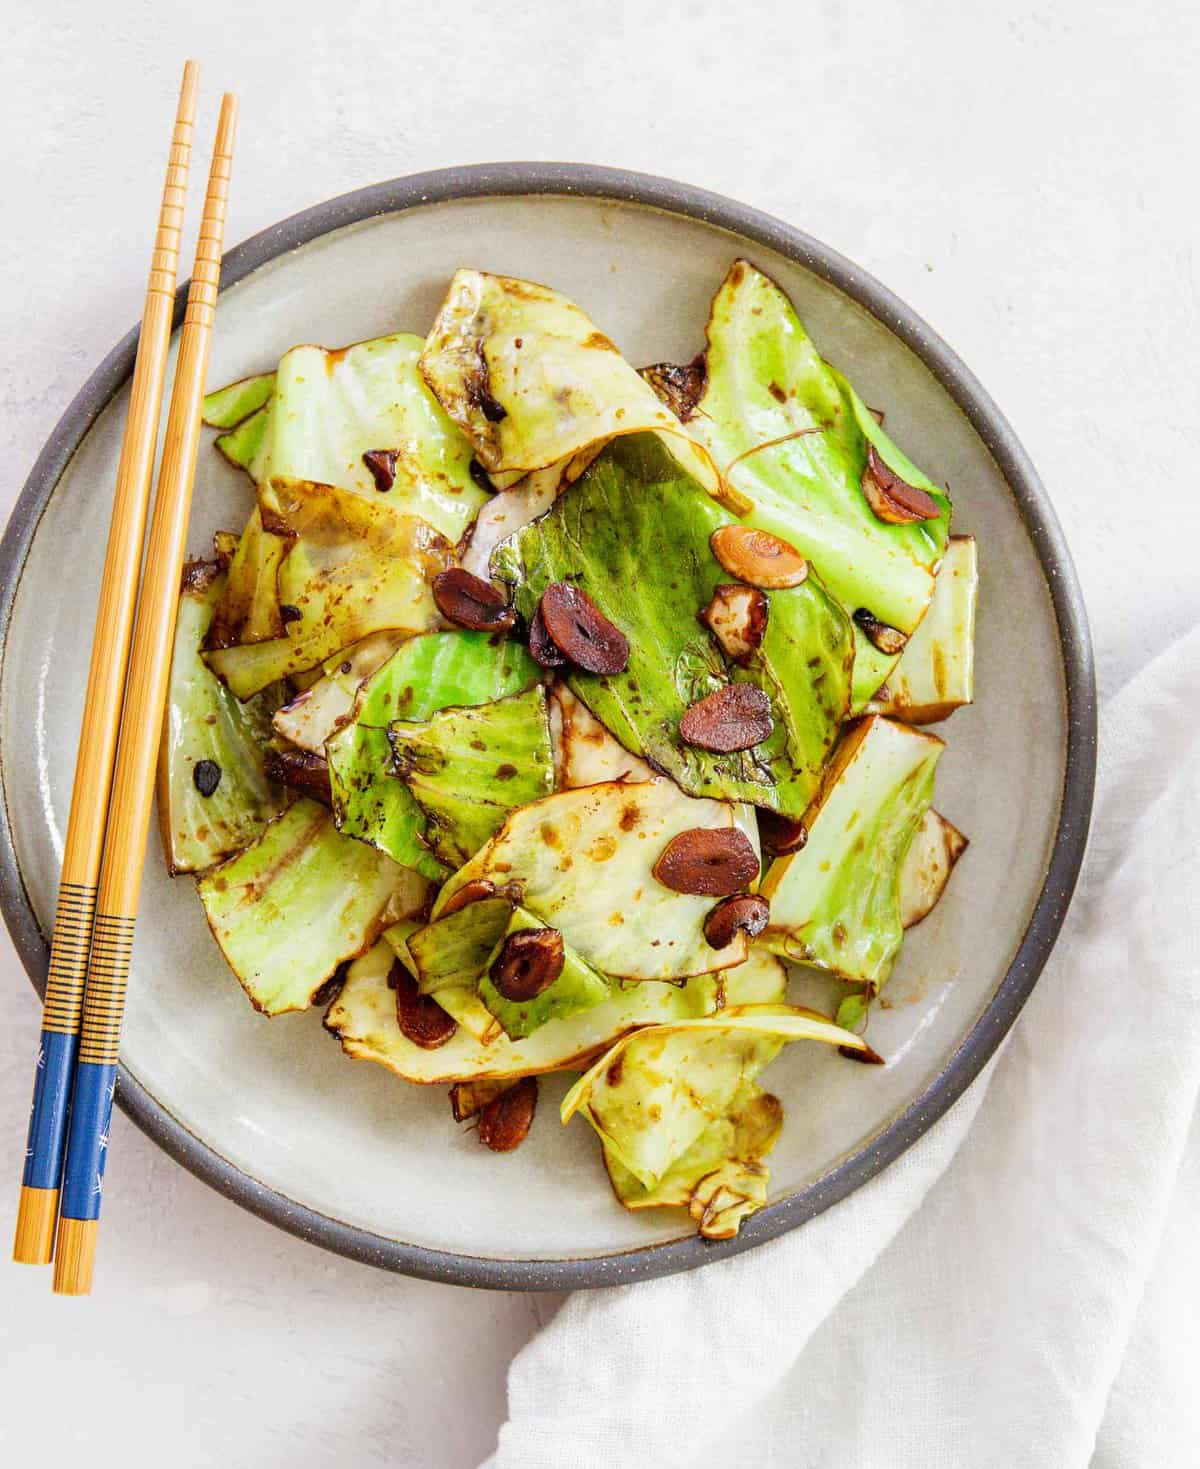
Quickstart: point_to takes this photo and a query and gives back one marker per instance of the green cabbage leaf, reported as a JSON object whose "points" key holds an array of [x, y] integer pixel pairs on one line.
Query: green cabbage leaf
{"points": [[836, 902], [790, 434], [298, 902], [633, 533], [326, 409], [467, 768], [204, 722], [436, 671]]}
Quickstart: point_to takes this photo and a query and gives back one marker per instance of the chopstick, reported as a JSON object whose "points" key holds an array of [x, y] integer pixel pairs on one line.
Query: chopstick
{"points": [[141, 727], [37, 1210]]}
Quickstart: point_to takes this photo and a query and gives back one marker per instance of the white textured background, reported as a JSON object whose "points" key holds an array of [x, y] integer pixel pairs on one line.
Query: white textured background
{"points": [[1023, 174]]}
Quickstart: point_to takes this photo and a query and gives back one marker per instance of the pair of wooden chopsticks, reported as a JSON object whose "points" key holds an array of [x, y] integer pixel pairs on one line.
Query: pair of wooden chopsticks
{"points": [[114, 779]]}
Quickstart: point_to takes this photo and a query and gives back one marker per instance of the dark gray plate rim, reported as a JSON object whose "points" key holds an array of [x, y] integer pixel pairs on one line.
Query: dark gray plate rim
{"points": [[482, 180]]}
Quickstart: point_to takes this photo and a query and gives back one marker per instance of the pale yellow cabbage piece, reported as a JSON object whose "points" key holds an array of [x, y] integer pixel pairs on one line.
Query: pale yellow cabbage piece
{"points": [[584, 858], [532, 381], [356, 567], [313, 715], [363, 1017], [585, 754], [721, 1179], [658, 1090], [936, 847]]}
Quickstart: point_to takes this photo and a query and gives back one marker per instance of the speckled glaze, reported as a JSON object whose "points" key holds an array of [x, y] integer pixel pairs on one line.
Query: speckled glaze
{"points": [[341, 1153]]}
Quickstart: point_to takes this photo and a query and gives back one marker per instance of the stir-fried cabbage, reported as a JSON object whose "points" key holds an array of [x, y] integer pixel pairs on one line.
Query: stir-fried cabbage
{"points": [[578, 987], [721, 1179], [790, 433], [936, 847], [836, 902], [327, 703], [439, 670], [298, 902], [583, 862], [229, 406], [323, 410], [936, 672], [468, 768], [653, 1095], [490, 863], [634, 533], [213, 794], [363, 1017], [354, 566], [529, 378]]}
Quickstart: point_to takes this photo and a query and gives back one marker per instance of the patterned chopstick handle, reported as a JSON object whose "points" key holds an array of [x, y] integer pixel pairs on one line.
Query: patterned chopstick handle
{"points": [[60, 1036], [96, 1072]]}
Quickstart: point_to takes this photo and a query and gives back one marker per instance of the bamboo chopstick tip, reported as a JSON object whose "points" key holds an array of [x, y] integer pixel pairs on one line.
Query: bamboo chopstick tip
{"points": [[75, 1259], [189, 89], [226, 122], [37, 1214]]}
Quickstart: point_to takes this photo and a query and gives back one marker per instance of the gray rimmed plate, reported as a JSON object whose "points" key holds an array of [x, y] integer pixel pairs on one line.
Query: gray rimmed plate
{"points": [[341, 1152]]}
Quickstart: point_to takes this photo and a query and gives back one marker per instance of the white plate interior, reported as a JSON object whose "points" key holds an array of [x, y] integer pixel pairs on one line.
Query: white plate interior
{"points": [[277, 1098]]}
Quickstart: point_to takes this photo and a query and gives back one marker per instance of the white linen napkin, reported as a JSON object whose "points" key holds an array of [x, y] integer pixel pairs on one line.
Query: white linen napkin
{"points": [[978, 1303]]}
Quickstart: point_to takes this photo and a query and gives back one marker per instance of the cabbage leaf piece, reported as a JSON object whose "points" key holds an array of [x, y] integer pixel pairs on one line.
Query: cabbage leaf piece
{"points": [[578, 987], [424, 675], [633, 532], [363, 1017], [204, 722], [528, 377], [227, 407], [835, 903], [460, 1002], [936, 672], [721, 1179], [936, 846], [328, 408], [298, 902], [583, 861], [467, 768], [791, 435], [248, 609], [453, 952], [243, 444], [507, 512], [328, 702], [653, 1095], [584, 752], [355, 566]]}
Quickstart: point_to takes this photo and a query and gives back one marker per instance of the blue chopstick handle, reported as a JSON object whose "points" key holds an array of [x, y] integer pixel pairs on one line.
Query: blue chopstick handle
{"points": [[59, 1042], [96, 1066], [46, 1144], [87, 1141]]}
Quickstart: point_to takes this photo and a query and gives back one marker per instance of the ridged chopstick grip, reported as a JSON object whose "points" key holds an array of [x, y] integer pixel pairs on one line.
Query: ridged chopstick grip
{"points": [[37, 1211], [141, 727]]}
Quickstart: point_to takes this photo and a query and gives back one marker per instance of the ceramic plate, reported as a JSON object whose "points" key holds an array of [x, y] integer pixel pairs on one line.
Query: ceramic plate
{"points": [[343, 1153]]}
